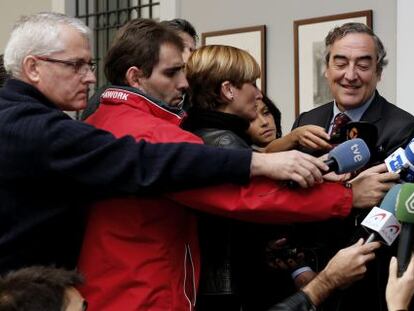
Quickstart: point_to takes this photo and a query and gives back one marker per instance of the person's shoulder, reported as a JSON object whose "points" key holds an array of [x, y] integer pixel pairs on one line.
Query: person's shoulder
{"points": [[325, 108], [318, 116], [221, 138], [391, 110], [24, 109]]}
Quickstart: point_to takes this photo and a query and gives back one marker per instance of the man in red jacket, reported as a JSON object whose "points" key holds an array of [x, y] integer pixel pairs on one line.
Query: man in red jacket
{"points": [[145, 256]]}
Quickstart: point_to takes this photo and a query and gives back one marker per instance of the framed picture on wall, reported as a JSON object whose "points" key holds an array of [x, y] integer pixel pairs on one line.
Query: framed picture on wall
{"points": [[311, 88], [251, 39]]}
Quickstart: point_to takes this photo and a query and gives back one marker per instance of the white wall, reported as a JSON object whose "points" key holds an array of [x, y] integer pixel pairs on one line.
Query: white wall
{"points": [[278, 16], [12, 9], [405, 53]]}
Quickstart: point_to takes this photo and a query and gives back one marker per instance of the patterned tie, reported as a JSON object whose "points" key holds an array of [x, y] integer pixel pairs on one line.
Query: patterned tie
{"points": [[341, 119]]}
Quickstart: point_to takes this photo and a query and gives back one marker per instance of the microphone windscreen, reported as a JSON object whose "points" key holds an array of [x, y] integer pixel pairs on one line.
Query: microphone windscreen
{"points": [[350, 155], [409, 152], [405, 204], [389, 202]]}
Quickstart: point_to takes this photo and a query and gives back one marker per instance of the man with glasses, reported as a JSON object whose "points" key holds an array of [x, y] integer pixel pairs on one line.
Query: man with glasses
{"points": [[50, 165], [41, 289]]}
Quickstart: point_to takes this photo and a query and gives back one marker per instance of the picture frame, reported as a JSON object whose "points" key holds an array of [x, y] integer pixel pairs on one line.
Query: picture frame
{"points": [[311, 87], [251, 39]]}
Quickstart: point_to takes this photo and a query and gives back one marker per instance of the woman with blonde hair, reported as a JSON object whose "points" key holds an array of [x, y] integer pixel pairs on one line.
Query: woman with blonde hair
{"points": [[223, 95]]}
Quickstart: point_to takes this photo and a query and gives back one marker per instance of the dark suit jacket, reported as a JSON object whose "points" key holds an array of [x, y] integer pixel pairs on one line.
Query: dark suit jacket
{"points": [[395, 126], [395, 129]]}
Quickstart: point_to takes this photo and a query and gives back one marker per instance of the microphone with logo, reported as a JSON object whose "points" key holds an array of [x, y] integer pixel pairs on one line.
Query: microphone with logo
{"points": [[381, 221], [405, 214], [347, 157], [402, 161]]}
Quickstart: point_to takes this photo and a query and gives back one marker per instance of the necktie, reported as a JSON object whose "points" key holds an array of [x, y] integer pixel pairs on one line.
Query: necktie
{"points": [[341, 119]]}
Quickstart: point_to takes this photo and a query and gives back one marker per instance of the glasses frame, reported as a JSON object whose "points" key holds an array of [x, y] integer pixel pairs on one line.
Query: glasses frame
{"points": [[77, 65]]}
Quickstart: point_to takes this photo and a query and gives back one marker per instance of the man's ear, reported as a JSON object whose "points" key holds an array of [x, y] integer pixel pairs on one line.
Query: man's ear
{"points": [[133, 77], [226, 91], [30, 69]]}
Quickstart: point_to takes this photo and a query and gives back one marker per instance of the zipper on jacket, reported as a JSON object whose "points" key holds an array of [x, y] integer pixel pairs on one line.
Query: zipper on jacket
{"points": [[189, 277]]}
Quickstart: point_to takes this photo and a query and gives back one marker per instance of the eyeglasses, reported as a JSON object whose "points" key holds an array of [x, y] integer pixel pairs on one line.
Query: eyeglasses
{"points": [[79, 66]]}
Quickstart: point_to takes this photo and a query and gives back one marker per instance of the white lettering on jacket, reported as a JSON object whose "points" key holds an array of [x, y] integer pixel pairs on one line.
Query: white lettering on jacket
{"points": [[115, 95]]}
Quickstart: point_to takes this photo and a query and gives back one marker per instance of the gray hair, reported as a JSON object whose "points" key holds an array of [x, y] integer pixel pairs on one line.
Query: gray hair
{"points": [[339, 32], [38, 34]]}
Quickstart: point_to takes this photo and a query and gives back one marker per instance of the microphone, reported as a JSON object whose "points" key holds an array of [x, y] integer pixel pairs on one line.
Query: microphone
{"points": [[402, 161], [344, 158], [348, 156], [368, 132], [405, 214], [381, 221]]}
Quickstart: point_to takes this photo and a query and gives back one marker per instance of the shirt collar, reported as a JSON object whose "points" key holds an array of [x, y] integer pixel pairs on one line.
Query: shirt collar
{"points": [[356, 113]]}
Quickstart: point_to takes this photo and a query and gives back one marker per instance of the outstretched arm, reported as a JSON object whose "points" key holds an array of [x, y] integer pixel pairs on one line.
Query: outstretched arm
{"points": [[309, 136], [347, 266]]}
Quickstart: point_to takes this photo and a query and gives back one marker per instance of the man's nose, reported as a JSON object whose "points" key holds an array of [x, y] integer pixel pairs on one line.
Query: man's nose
{"points": [[350, 73], [182, 82], [89, 77]]}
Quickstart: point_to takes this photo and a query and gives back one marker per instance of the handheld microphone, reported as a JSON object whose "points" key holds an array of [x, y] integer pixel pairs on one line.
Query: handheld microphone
{"points": [[402, 161], [405, 214], [381, 222], [348, 156], [344, 158], [368, 132]]}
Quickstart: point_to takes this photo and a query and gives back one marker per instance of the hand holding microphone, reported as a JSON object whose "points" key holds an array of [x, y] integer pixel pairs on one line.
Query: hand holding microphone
{"points": [[381, 221], [346, 157], [370, 186], [402, 161]]}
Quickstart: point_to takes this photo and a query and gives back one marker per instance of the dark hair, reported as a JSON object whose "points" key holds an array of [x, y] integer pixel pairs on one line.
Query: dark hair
{"points": [[276, 114], [179, 24], [36, 288], [3, 73], [137, 43], [339, 32]]}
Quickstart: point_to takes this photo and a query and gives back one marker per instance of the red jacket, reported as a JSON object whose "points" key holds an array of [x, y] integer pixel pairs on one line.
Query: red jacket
{"points": [[142, 253]]}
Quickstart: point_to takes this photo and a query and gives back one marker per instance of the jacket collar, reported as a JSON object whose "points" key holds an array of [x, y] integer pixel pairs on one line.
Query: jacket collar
{"points": [[26, 89], [117, 95]]}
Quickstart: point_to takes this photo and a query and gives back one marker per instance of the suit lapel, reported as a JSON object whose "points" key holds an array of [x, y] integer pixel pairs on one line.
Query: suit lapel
{"points": [[374, 112]]}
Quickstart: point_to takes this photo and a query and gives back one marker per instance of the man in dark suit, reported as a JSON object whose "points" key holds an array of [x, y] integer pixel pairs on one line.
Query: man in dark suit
{"points": [[355, 58]]}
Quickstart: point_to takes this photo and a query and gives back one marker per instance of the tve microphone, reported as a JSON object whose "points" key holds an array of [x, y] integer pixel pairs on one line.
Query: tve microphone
{"points": [[348, 156], [381, 222], [345, 158], [405, 214], [402, 161]]}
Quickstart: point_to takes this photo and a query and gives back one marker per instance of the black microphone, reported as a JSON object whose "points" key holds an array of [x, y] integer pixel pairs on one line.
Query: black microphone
{"points": [[367, 131], [405, 214]]}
